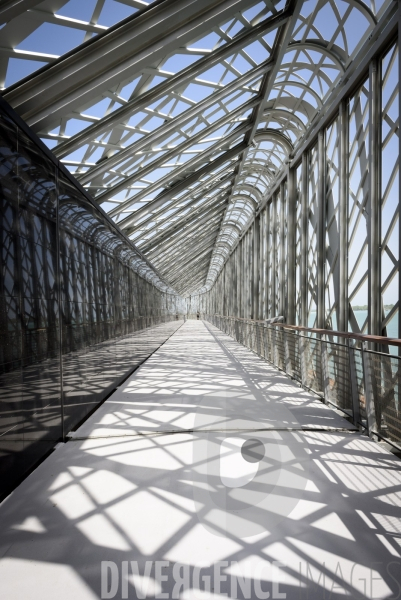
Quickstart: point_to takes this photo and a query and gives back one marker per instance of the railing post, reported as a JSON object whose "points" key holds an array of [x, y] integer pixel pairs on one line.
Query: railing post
{"points": [[369, 397], [263, 339], [356, 412], [325, 367], [276, 349], [287, 356], [303, 351]]}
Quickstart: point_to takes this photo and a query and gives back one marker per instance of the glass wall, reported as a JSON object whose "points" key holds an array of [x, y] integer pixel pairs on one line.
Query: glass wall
{"points": [[76, 303]]}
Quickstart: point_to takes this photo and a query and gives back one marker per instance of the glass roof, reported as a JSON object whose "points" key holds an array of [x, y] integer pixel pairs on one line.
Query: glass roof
{"points": [[178, 117]]}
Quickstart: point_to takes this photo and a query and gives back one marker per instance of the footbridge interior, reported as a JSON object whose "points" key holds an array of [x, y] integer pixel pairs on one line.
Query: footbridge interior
{"points": [[199, 299]]}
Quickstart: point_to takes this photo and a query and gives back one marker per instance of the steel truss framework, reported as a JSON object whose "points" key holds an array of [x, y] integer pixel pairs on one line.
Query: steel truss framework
{"points": [[199, 124], [327, 239]]}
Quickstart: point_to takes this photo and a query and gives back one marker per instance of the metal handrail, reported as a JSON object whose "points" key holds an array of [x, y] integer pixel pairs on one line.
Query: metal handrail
{"points": [[360, 337], [364, 383]]}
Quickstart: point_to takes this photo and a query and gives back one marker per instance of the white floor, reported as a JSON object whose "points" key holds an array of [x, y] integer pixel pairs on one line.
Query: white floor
{"points": [[207, 474]]}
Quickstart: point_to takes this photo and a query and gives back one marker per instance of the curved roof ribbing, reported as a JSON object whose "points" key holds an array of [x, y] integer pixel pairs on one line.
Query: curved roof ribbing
{"points": [[179, 118]]}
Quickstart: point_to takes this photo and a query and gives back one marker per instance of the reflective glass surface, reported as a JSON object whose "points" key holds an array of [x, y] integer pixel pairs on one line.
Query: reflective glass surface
{"points": [[77, 302]]}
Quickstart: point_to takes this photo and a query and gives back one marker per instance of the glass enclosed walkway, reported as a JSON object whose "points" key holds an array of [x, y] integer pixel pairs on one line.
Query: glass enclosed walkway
{"points": [[207, 472]]}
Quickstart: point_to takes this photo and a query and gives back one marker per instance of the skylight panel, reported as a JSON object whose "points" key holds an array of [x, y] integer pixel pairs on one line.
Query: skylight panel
{"points": [[214, 74], [270, 38], [251, 13], [241, 64], [178, 62], [18, 68], [228, 77], [257, 52], [74, 126], [179, 107], [197, 92], [208, 42], [114, 11], [232, 27], [356, 22], [99, 109], [326, 21], [76, 9], [52, 39]]}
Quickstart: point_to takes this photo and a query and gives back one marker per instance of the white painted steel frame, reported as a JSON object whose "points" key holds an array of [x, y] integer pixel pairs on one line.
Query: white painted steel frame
{"points": [[184, 174]]}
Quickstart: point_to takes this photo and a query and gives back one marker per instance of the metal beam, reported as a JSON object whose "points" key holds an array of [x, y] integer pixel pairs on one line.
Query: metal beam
{"points": [[196, 220], [117, 55], [385, 30], [164, 264], [122, 114], [196, 256], [182, 238], [196, 194], [182, 185], [188, 166], [139, 229], [282, 40], [214, 222], [130, 151]]}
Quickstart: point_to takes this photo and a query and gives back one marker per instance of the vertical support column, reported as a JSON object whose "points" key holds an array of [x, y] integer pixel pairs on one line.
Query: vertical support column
{"points": [[267, 260], [244, 279], [291, 264], [243, 291], [256, 258], [399, 171], [223, 305], [262, 258], [283, 249], [239, 254], [342, 300], [304, 241], [249, 246], [321, 203], [375, 316], [321, 256], [59, 293], [234, 286], [274, 256], [303, 342], [291, 246]]}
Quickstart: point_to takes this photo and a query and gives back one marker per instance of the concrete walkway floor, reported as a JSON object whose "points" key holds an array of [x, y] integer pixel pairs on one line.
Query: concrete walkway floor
{"points": [[207, 474]]}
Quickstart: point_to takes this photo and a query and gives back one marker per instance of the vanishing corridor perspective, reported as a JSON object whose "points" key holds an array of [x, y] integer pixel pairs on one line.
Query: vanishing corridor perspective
{"points": [[158, 473], [200, 333]]}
